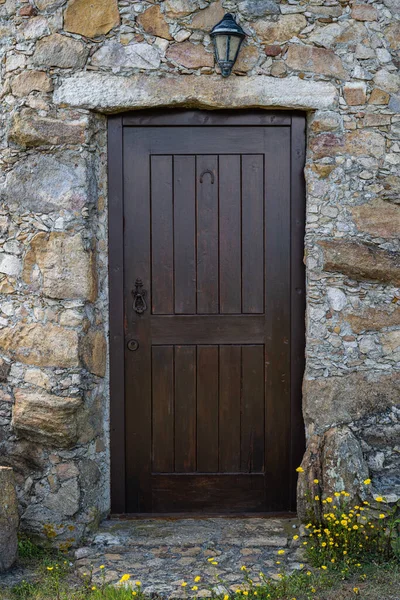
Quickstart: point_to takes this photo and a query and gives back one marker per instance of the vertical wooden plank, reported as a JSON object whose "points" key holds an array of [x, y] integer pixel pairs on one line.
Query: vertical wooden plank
{"points": [[162, 235], [185, 409], [116, 314], [185, 234], [163, 408], [253, 233], [207, 409], [207, 234], [137, 364], [230, 268], [298, 296], [253, 410], [277, 320], [229, 408]]}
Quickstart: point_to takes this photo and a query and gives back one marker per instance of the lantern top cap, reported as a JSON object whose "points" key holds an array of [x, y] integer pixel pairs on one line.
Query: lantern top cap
{"points": [[228, 26]]}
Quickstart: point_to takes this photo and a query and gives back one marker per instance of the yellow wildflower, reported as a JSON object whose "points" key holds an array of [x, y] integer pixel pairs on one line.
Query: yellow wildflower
{"points": [[295, 537], [226, 597], [184, 584], [125, 577], [281, 552], [134, 593], [50, 568], [197, 578], [316, 480], [379, 499], [316, 498], [300, 470], [382, 516], [323, 544], [355, 527], [138, 583], [195, 588], [356, 590], [214, 562], [324, 568], [245, 593], [337, 494], [243, 568], [308, 573], [102, 567], [329, 499], [210, 559], [93, 587]]}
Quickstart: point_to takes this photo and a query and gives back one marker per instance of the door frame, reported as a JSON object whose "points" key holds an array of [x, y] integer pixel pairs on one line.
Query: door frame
{"points": [[197, 118]]}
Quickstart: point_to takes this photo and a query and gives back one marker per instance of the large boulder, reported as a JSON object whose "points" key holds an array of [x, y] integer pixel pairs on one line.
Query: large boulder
{"points": [[332, 401], [91, 18], [41, 345], [336, 460], [9, 519], [46, 419], [60, 265], [361, 261], [46, 183]]}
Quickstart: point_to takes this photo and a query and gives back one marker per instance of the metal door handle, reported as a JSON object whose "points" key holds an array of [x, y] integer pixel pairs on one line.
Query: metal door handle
{"points": [[139, 297]]}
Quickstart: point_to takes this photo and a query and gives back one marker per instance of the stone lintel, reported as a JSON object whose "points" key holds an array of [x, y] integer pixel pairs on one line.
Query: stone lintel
{"points": [[113, 93]]}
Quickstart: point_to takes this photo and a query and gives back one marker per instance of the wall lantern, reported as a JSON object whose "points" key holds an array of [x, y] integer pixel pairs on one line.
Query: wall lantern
{"points": [[227, 36]]}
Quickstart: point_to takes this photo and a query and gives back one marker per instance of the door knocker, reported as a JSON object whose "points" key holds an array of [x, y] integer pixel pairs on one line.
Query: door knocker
{"points": [[207, 171], [139, 295]]}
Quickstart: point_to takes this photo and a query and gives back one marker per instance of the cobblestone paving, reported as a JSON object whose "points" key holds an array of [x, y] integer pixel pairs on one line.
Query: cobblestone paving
{"points": [[163, 553]]}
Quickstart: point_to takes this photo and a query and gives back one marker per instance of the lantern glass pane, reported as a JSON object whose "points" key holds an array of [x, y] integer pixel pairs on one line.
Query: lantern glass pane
{"points": [[221, 45], [233, 47]]}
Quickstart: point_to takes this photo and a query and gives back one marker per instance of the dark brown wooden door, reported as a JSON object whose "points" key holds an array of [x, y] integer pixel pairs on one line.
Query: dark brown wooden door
{"points": [[211, 377]]}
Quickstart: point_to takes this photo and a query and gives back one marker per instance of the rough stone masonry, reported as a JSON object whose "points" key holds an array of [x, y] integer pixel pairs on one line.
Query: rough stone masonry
{"points": [[65, 64]]}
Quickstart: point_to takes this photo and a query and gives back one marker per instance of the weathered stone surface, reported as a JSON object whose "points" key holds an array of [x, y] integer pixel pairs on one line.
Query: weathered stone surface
{"points": [[59, 264], [392, 34], [316, 60], [135, 56], [65, 502], [355, 93], [208, 17], [48, 5], [390, 342], [10, 264], [391, 192], [29, 129], [326, 144], [60, 51], [153, 22], [31, 81], [180, 8], [253, 9], [387, 81], [110, 93], [373, 319], [9, 519], [41, 345], [338, 400], [46, 183], [91, 18], [361, 261], [247, 59], [336, 460], [364, 12], [325, 121], [364, 142], [376, 120], [46, 419], [379, 97], [272, 50], [94, 352], [35, 28], [4, 370], [378, 218], [282, 30], [38, 378], [191, 56]]}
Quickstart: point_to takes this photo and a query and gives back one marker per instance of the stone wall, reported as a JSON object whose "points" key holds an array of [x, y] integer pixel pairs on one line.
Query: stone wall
{"points": [[65, 64]]}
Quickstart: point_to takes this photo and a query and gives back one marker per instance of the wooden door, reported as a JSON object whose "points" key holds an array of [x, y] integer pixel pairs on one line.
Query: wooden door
{"points": [[207, 310]]}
